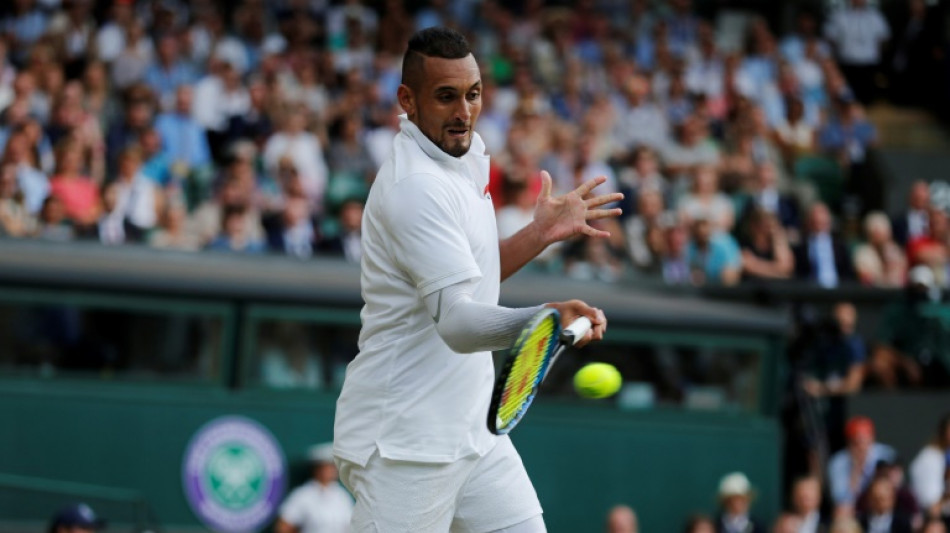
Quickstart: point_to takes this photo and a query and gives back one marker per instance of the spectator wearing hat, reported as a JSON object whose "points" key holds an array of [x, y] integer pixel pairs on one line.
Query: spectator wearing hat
{"points": [[320, 505], [735, 498], [850, 470], [76, 518]]}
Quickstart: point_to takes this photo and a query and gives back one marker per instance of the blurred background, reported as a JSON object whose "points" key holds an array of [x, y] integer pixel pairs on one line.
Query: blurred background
{"points": [[181, 188]]}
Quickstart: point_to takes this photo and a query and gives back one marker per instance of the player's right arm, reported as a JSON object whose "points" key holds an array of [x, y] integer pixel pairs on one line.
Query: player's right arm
{"points": [[284, 527], [468, 326]]}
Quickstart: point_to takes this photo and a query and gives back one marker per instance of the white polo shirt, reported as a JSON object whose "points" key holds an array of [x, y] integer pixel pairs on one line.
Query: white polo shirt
{"points": [[858, 34], [428, 224], [313, 508]]}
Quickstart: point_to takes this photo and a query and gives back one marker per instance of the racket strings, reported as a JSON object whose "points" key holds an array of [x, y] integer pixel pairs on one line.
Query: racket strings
{"points": [[526, 371]]}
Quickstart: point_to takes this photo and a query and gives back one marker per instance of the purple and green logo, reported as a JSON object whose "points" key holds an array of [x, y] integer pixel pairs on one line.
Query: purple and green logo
{"points": [[234, 474]]}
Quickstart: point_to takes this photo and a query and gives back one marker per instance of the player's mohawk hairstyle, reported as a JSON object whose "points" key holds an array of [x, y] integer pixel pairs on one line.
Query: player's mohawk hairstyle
{"points": [[439, 42]]}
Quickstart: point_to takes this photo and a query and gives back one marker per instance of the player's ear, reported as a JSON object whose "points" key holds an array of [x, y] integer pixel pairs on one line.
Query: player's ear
{"points": [[407, 100]]}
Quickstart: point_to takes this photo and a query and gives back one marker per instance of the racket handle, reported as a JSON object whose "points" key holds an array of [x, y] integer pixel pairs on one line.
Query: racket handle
{"points": [[576, 331]]}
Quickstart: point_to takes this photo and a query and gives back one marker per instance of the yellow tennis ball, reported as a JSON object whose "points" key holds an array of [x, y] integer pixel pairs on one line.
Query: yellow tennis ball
{"points": [[597, 380]]}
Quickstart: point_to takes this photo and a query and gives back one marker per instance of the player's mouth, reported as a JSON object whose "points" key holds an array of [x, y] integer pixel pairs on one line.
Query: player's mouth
{"points": [[457, 132]]}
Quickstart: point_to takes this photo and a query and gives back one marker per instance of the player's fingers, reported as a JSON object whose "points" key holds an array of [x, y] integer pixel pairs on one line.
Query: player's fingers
{"points": [[591, 232], [546, 184], [589, 185], [594, 214], [597, 201]]}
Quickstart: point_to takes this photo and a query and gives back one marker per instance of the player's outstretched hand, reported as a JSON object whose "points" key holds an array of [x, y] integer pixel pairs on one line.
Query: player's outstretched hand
{"points": [[571, 310], [565, 216]]}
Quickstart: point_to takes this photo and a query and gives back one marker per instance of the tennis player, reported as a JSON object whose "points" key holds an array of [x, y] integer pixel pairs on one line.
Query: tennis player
{"points": [[410, 434]]}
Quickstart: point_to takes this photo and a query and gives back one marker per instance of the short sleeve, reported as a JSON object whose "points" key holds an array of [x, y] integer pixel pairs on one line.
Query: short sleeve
{"points": [[425, 223], [294, 509]]}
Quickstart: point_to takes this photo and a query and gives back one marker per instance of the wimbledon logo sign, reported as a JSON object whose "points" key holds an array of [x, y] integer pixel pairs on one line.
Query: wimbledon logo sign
{"points": [[234, 474]]}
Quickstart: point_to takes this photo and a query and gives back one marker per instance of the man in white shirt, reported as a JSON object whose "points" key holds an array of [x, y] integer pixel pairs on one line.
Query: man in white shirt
{"points": [[410, 435], [319, 505], [858, 33]]}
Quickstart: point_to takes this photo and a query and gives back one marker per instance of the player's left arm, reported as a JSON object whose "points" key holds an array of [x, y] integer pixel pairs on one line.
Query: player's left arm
{"points": [[556, 219]]}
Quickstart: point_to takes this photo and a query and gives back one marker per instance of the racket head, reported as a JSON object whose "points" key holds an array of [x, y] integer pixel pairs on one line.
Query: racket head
{"points": [[525, 367]]}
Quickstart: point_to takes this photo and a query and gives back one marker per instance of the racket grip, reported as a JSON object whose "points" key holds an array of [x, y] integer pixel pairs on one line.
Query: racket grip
{"points": [[577, 330]]}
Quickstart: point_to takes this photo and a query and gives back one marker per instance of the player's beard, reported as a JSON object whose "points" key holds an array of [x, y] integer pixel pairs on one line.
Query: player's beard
{"points": [[455, 147]]}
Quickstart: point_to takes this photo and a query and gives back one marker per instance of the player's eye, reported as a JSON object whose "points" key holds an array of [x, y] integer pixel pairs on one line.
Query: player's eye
{"points": [[474, 95], [445, 97]]}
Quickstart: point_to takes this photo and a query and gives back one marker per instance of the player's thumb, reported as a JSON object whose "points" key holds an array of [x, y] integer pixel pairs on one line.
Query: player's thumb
{"points": [[546, 184]]}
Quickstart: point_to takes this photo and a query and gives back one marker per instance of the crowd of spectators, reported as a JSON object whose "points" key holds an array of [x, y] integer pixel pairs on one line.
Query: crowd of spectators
{"points": [[865, 487], [258, 127]]}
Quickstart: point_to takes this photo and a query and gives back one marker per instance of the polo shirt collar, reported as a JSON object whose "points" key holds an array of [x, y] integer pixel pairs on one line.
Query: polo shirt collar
{"points": [[476, 152]]}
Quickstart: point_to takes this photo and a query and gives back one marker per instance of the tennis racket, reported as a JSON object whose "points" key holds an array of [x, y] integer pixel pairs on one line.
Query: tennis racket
{"points": [[539, 344]]}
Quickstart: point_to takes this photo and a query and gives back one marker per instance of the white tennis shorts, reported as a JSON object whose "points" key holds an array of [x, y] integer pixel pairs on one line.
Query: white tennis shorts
{"points": [[471, 495]]}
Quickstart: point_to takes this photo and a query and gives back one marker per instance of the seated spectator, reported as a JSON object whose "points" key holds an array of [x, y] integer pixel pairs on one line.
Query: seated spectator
{"points": [[589, 259], [673, 246], [822, 257], [15, 218], [691, 149], [288, 359], [234, 236], [110, 228], [642, 174], [293, 233], [880, 261], [765, 250], [713, 256], [881, 515], [136, 120], [303, 148], [78, 193], [320, 504], [705, 201], [641, 121], [184, 141], [912, 342], [806, 506], [31, 181], [928, 473], [53, 225], [236, 191], [139, 200], [157, 164], [735, 500], [622, 519], [933, 247], [348, 155], [850, 470], [172, 231], [765, 194], [169, 72], [644, 230], [913, 222], [904, 501], [346, 242], [795, 136]]}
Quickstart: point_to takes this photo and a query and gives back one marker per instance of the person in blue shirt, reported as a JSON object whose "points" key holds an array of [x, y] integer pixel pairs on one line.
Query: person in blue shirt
{"points": [[713, 256], [169, 71], [184, 140]]}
